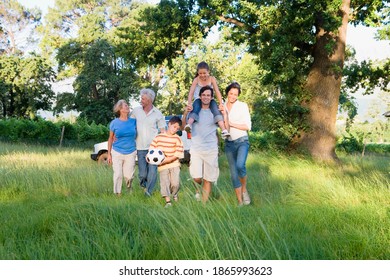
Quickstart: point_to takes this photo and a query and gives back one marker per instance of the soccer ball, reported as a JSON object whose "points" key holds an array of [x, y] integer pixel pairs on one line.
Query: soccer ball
{"points": [[155, 156]]}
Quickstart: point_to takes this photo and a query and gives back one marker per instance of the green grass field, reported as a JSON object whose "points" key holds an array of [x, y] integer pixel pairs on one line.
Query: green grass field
{"points": [[58, 204]]}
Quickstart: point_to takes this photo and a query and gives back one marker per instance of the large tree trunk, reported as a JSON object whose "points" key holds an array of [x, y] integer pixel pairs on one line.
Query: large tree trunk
{"points": [[323, 85]]}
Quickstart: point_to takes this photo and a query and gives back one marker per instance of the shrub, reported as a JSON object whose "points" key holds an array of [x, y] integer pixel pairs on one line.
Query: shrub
{"points": [[378, 148], [267, 141], [351, 143], [49, 133], [70, 131], [86, 132]]}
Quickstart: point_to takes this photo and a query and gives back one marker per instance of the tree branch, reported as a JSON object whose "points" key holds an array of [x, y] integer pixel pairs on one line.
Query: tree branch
{"points": [[232, 20]]}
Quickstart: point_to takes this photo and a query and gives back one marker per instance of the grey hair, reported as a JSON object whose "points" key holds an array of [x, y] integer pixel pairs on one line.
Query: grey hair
{"points": [[118, 106], [149, 93]]}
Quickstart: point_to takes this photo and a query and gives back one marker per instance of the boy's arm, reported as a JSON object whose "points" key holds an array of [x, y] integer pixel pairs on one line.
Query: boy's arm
{"points": [[168, 160]]}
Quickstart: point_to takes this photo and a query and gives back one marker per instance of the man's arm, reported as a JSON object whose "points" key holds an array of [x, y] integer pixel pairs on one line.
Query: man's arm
{"points": [[161, 124]]}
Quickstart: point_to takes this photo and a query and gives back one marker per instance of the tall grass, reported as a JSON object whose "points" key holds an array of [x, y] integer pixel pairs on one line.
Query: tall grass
{"points": [[58, 204]]}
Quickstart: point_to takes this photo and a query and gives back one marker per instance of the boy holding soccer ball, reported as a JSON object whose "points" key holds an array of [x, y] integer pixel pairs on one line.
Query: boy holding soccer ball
{"points": [[172, 146]]}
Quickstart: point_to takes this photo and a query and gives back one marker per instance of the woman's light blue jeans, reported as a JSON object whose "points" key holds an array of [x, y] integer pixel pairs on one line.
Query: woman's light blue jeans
{"points": [[237, 152]]}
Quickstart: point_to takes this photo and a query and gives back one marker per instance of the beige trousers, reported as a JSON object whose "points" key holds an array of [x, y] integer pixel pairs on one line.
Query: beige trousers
{"points": [[170, 181], [123, 166]]}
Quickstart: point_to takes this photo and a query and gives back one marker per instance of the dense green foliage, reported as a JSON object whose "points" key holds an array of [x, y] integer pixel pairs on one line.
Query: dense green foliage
{"points": [[159, 33], [25, 86], [383, 149], [24, 79], [49, 133], [61, 207], [87, 48], [351, 143], [227, 62]]}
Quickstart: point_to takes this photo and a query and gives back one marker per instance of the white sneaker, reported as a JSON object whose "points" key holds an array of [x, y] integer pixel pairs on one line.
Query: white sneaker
{"points": [[245, 198], [197, 196]]}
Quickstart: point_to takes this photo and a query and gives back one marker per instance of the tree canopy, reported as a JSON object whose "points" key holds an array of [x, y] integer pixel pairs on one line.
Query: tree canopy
{"points": [[82, 36], [290, 57], [298, 45], [25, 79]]}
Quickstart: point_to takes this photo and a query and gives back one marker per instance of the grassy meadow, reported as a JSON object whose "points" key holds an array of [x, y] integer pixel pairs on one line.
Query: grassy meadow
{"points": [[58, 204]]}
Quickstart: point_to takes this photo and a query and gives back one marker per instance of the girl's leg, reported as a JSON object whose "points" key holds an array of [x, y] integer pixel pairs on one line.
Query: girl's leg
{"points": [[218, 118], [193, 116]]}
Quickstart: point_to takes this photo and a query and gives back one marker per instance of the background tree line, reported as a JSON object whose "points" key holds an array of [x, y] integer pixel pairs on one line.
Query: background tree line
{"points": [[289, 56], [43, 132]]}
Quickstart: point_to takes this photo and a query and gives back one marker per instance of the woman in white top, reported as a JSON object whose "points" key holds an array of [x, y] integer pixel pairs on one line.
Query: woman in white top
{"points": [[238, 121]]}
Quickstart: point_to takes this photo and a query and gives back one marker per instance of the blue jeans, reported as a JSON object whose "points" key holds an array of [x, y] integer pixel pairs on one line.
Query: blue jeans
{"points": [[237, 152], [147, 173], [197, 106]]}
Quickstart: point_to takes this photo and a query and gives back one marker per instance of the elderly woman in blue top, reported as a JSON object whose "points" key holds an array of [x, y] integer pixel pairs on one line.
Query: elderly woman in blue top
{"points": [[122, 151], [238, 121]]}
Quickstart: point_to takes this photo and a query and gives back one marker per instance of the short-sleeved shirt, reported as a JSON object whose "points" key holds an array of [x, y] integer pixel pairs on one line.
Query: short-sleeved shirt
{"points": [[125, 134], [171, 145], [204, 133], [147, 125]]}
